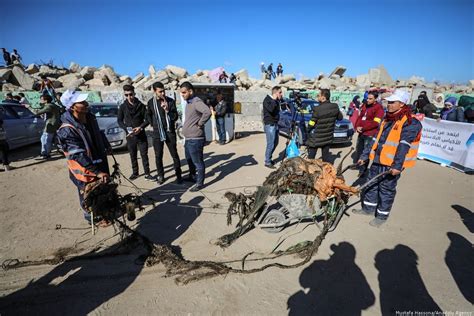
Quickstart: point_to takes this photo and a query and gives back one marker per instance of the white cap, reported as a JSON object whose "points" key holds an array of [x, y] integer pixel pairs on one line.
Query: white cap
{"points": [[70, 97], [399, 95]]}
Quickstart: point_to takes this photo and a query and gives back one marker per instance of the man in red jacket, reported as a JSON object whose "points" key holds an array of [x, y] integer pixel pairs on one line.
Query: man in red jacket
{"points": [[367, 125]]}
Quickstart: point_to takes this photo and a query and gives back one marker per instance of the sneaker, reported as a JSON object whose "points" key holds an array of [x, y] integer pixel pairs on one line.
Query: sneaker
{"points": [[270, 165], [133, 176], [149, 177], [42, 157], [179, 180], [196, 188], [160, 179], [7, 167], [361, 212], [377, 222]]}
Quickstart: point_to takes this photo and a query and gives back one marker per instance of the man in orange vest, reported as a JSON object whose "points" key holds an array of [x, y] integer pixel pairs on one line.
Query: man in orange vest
{"points": [[394, 148], [84, 145]]}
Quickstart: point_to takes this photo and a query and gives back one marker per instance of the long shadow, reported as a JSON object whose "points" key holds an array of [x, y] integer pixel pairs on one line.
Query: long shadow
{"points": [[335, 286], [228, 167], [460, 260], [81, 286], [466, 215], [401, 286]]}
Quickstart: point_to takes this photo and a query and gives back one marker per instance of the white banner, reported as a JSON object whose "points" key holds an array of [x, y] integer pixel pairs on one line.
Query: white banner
{"points": [[448, 143]]}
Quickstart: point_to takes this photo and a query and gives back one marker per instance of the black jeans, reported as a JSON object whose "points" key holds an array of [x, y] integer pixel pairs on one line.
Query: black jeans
{"points": [[324, 149], [158, 146], [194, 151], [138, 142], [362, 143], [4, 152]]}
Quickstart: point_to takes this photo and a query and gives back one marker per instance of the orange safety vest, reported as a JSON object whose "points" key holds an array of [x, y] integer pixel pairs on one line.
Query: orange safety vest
{"points": [[78, 171], [389, 149]]}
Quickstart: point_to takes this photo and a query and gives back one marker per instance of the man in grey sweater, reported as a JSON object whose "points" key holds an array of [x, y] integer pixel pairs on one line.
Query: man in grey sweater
{"points": [[196, 114]]}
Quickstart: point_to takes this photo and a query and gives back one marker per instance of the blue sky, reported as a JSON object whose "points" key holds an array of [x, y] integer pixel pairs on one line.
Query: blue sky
{"points": [[429, 38]]}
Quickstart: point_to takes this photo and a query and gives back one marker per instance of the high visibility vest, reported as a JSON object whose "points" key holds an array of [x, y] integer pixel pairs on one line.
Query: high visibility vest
{"points": [[390, 146], [78, 171]]}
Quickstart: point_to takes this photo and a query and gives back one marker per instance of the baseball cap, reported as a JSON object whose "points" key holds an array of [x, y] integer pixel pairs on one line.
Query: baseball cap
{"points": [[399, 95], [70, 97]]}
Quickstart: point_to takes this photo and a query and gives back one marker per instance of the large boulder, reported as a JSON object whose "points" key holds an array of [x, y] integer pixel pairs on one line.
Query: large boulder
{"points": [[9, 87], [338, 71], [380, 75], [22, 78], [177, 71], [110, 74], [242, 74], [284, 79], [152, 71], [48, 71], [32, 69], [73, 67], [73, 84], [69, 77], [94, 82], [138, 77], [5, 74], [87, 72], [471, 84], [162, 76], [363, 81]]}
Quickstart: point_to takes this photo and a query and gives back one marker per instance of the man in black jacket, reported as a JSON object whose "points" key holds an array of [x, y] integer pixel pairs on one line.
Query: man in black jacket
{"points": [[271, 114], [162, 115], [132, 118], [322, 124]]}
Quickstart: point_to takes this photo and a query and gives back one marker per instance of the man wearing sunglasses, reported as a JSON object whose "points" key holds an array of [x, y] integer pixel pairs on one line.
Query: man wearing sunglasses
{"points": [[132, 119], [84, 145], [394, 148]]}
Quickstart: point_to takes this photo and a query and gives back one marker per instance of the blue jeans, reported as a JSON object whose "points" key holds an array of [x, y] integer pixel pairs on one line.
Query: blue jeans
{"points": [[220, 124], [46, 143], [271, 132], [194, 152]]}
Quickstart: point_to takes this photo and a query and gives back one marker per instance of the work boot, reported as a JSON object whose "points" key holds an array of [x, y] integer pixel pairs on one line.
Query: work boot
{"points": [[377, 222], [160, 180], [362, 212], [133, 176]]}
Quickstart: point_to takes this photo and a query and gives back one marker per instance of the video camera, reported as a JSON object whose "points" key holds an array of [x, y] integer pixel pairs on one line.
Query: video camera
{"points": [[297, 95]]}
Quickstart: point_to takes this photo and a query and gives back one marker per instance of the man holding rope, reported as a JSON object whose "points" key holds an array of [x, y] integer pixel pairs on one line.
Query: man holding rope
{"points": [[84, 145]]}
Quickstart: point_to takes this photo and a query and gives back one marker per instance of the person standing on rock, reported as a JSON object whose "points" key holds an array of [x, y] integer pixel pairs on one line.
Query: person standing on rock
{"points": [[15, 57], [322, 124], [132, 118], [271, 115], [279, 70], [270, 73], [162, 114], [84, 145], [196, 114], [394, 149], [52, 113], [6, 57]]}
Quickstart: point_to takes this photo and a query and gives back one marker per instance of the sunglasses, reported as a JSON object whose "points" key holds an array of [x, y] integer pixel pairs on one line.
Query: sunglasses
{"points": [[128, 94]]}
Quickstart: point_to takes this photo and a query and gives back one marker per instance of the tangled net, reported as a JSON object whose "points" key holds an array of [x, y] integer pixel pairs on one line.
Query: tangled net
{"points": [[297, 176]]}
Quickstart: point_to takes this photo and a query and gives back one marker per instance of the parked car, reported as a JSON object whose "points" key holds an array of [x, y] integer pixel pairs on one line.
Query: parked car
{"points": [[301, 115], [21, 125], [106, 115]]}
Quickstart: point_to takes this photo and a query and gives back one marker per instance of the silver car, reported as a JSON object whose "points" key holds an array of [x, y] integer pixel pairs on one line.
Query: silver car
{"points": [[106, 115], [22, 127]]}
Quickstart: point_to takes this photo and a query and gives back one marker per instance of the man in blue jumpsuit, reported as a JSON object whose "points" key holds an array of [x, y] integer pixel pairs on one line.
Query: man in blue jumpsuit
{"points": [[84, 145], [394, 148]]}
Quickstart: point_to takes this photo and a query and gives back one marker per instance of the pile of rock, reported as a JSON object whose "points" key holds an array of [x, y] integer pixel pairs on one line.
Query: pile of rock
{"points": [[105, 79]]}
